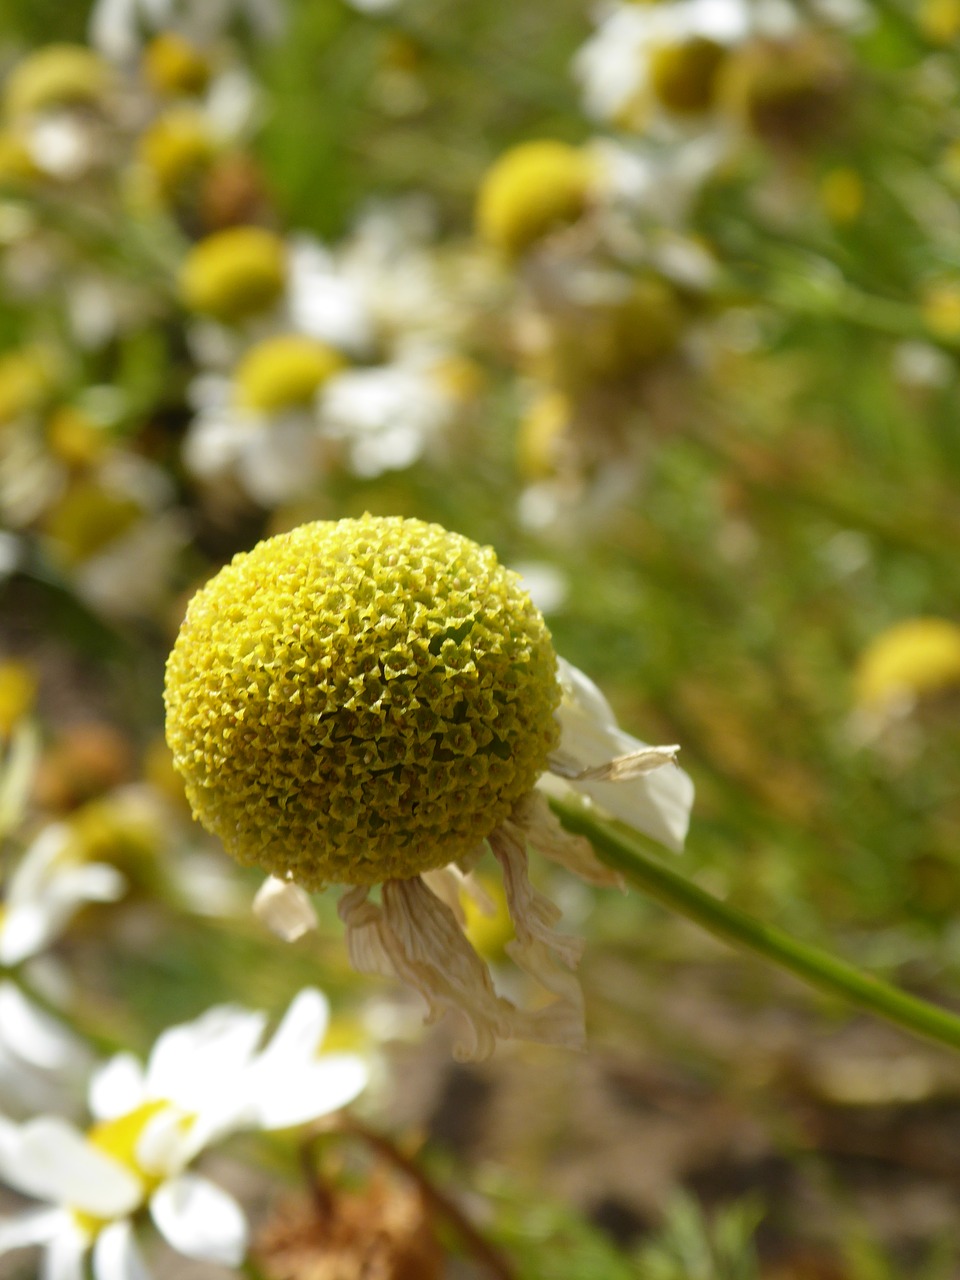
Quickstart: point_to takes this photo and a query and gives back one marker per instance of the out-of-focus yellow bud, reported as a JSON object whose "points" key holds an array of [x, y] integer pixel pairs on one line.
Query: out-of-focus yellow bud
{"points": [[684, 76], [914, 658], [842, 195], [86, 760], [284, 372], [16, 163], [176, 148], [26, 380], [939, 20], [58, 75], [173, 67], [87, 519], [73, 437], [234, 273], [459, 377], [18, 693], [531, 190], [540, 432], [489, 934], [940, 308]]}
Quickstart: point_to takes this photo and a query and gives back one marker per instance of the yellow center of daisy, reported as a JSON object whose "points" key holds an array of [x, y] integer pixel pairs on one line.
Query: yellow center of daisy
{"points": [[86, 520], [359, 701], [916, 657], [284, 372], [59, 75], [234, 273], [531, 190], [173, 66], [683, 77], [177, 147], [120, 1138]]}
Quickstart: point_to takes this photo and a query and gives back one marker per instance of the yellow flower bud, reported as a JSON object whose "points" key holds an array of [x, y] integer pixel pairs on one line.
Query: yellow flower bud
{"points": [[176, 148], [684, 76], [916, 657], [284, 372], [234, 273], [532, 190], [58, 75], [172, 66]]}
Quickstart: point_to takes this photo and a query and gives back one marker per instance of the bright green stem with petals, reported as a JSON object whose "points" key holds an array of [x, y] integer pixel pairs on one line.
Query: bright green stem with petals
{"points": [[811, 964]]}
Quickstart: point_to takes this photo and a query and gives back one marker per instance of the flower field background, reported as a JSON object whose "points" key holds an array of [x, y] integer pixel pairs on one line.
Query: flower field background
{"points": [[662, 301]]}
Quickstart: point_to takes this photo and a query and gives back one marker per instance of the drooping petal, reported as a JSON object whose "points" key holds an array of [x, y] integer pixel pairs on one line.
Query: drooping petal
{"points": [[116, 1255], [200, 1220], [544, 832], [657, 803], [117, 1087], [415, 937], [56, 1162], [285, 909]]}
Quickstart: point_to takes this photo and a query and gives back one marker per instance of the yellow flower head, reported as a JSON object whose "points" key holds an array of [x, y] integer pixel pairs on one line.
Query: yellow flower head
{"points": [[26, 379], [18, 693], [684, 76], [284, 372], [74, 437], [176, 148], [541, 433], [173, 67], [234, 273], [940, 309], [532, 190], [360, 701], [916, 657], [87, 519], [58, 75]]}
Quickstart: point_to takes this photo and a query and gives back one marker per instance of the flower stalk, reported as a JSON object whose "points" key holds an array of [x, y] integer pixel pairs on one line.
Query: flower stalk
{"points": [[818, 968]]}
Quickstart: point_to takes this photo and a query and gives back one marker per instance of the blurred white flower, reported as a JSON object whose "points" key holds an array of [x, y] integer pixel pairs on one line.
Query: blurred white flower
{"points": [[117, 28], [202, 1081]]}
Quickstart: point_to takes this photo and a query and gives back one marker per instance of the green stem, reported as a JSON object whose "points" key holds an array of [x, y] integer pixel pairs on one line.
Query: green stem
{"points": [[809, 963]]}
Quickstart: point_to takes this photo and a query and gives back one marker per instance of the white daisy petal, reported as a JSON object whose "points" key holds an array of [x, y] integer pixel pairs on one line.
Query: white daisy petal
{"points": [[34, 1036], [189, 1063], [31, 1228], [200, 1220], [117, 1087], [317, 1090], [63, 1256], [301, 1030], [55, 1161], [285, 909], [116, 1255]]}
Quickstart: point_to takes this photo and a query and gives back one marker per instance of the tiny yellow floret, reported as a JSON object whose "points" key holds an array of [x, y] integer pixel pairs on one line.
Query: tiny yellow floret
{"points": [[361, 700], [913, 658], [284, 372], [234, 273], [531, 190], [58, 75], [172, 66]]}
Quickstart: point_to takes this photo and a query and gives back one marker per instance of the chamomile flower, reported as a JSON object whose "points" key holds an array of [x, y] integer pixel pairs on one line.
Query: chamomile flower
{"points": [[118, 28], [373, 702], [203, 1081]]}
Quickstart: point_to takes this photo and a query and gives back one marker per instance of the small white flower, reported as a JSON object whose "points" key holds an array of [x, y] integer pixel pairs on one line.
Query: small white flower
{"points": [[117, 28], [203, 1080]]}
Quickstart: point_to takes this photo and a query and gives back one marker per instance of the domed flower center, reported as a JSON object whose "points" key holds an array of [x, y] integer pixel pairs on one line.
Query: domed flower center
{"points": [[684, 76], [177, 147], [360, 701], [59, 75], [531, 190], [234, 273], [173, 66], [915, 657], [284, 372]]}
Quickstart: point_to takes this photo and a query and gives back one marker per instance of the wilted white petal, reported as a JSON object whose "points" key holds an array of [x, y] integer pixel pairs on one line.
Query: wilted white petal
{"points": [[30, 1228], [34, 1036], [116, 1255], [117, 1087], [200, 1220], [364, 920], [633, 765], [445, 885], [315, 1090], [657, 803], [56, 1162], [548, 837], [285, 908]]}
